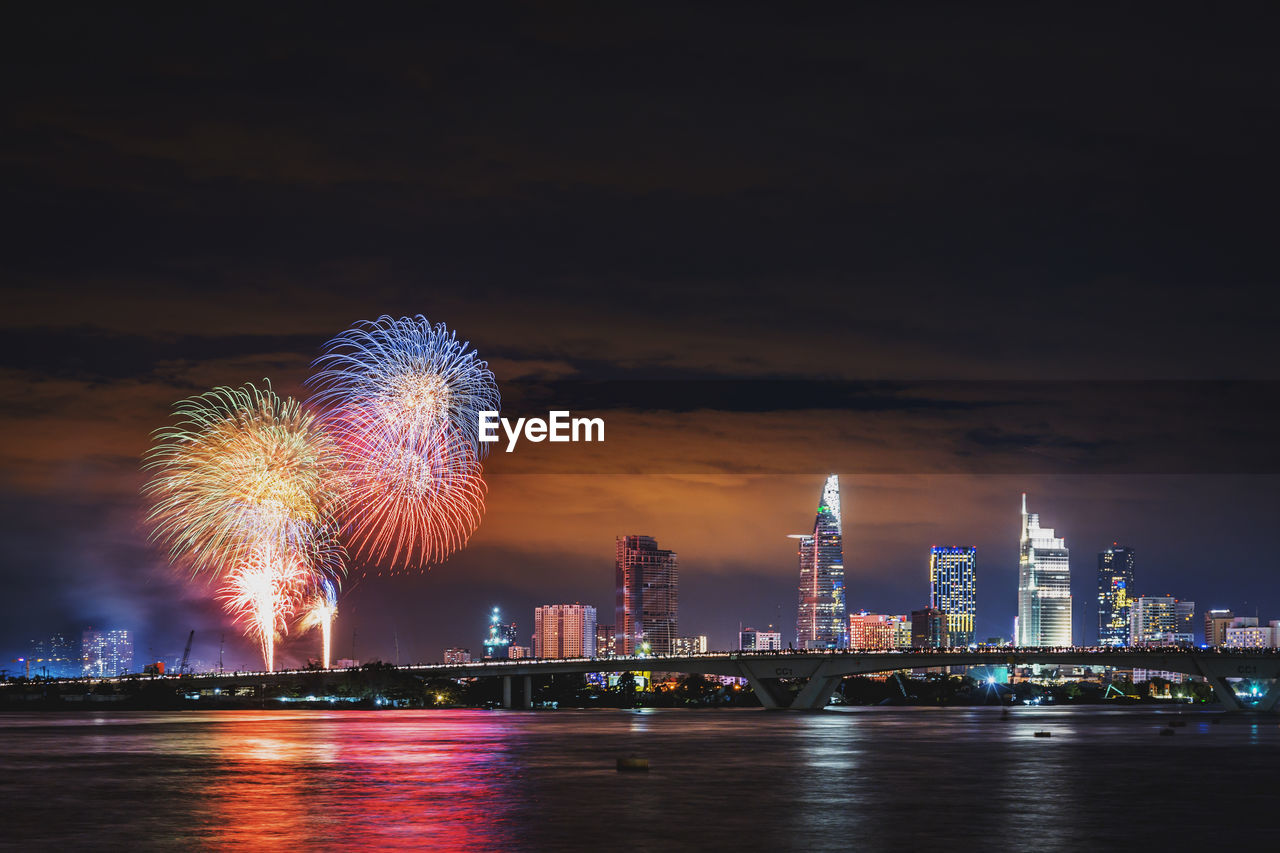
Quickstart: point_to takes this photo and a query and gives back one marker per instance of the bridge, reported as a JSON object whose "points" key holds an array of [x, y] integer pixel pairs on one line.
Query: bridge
{"points": [[774, 675]]}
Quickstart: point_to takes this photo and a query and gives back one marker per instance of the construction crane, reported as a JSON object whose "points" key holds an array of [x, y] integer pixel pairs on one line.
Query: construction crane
{"points": [[186, 654]]}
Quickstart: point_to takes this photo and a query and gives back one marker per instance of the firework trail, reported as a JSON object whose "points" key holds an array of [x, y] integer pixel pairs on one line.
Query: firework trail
{"points": [[402, 398], [322, 607], [247, 490]]}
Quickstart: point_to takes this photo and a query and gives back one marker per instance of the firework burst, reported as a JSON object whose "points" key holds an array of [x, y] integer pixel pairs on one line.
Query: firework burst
{"points": [[247, 489], [402, 398]]}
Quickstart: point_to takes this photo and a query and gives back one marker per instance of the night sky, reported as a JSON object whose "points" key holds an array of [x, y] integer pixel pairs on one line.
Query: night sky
{"points": [[952, 254]]}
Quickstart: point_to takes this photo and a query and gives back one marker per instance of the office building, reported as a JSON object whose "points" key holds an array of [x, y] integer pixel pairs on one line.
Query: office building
{"points": [[752, 640], [648, 596], [1115, 594], [1216, 623], [1044, 585], [1250, 637], [929, 629], [689, 645], [606, 641], [1160, 620], [820, 620], [564, 631], [872, 631], [952, 590]]}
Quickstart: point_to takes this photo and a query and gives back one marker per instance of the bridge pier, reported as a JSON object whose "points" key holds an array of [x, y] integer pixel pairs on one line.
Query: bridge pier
{"points": [[527, 699], [506, 691]]}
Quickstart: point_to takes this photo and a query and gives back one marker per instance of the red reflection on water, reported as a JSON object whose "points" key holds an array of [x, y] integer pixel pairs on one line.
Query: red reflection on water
{"points": [[358, 780]]}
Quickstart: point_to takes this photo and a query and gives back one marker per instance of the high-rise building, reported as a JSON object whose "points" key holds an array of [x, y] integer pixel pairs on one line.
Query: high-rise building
{"points": [[564, 631], [820, 620], [648, 595], [871, 631], [752, 640], [1216, 623], [952, 589], [1044, 585], [689, 645], [119, 657], [1160, 620], [929, 629], [1115, 594], [105, 655], [501, 636]]}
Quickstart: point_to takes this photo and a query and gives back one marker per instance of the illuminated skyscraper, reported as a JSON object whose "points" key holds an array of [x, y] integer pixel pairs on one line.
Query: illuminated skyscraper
{"points": [[501, 636], [564, 631], [105, 655], [1115, 594], [952, 590], [1044, 585], [820, 620], [648, 596]]}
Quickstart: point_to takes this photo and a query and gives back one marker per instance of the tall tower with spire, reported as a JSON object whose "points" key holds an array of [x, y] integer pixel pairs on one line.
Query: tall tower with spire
{"points": [[1044, 585], [820, 621]]}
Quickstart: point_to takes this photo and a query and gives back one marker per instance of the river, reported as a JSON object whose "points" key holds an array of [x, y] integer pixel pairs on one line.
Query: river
{"points": [[864, 778]]}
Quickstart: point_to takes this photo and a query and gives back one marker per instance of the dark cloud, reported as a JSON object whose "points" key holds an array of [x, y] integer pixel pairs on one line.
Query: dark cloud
{"points": [[927, 243]]}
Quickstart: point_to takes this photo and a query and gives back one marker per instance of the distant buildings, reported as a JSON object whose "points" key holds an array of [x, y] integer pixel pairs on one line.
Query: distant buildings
{"points": [[454, 656], [952, 589], [519, 652], [1161, 620], [1115, 594], [501, 636], [752, 640], [689, 645], [872, 631], [647, 604], [929, 629], [1249, 636], [564, 631], [55, 657], [606, 641], [820, 620], [1044, 585], [105, 654]]}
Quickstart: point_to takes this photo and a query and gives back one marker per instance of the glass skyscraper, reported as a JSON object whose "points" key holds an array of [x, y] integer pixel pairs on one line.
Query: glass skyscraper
{"points": [[952, 589], [648, 596], [1115, 594], [820, 621], [1044, 585]]}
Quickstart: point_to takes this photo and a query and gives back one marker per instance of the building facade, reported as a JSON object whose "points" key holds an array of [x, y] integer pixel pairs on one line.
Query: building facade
{"points": [[820, 619], [952, 589], [1216, 623], [564, 631], [872, 631], [455, 656], [1115, 594], [1044, 585], [752, 640], [1160, 620], [689, 645], [105, 654], [646, 609]]}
